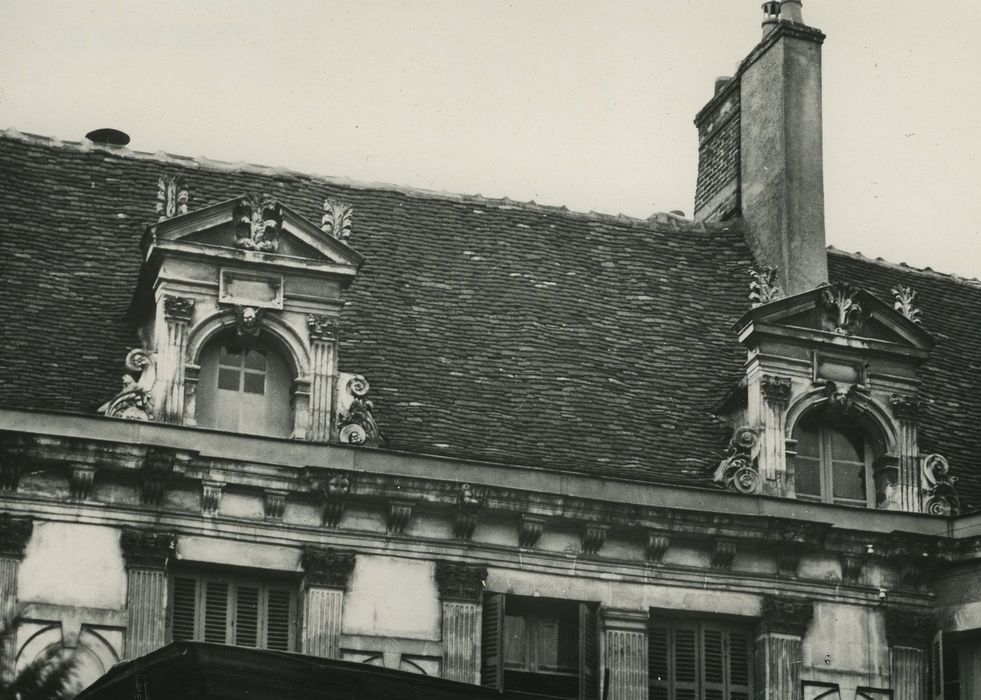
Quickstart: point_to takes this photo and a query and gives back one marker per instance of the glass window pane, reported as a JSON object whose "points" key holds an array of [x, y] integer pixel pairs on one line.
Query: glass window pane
{"points": [[548, 644], [849, 480], [229, 356], [807, 441], [255, 383], [807, 476], [515, 642], [255, 359], [846, 447], [228, 378]]}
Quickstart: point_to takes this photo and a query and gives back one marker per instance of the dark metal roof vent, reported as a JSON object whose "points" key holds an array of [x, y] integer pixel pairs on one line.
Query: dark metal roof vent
{"points": [[108, 137]]}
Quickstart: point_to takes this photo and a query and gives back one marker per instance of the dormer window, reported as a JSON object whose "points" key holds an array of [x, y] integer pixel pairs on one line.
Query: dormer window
{"points": [[244, 388], [833, 463]]}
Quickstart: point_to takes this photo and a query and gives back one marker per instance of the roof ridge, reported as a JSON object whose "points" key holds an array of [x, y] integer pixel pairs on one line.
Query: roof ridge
{"points": [[950, 276], [660, 221]]}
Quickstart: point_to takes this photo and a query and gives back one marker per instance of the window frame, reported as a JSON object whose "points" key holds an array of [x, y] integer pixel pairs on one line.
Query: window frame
{"points": [[826, 462], [266, 586]]}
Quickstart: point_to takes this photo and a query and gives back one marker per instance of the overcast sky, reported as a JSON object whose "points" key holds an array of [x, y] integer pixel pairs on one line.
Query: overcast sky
{"points": [[586, 104]]}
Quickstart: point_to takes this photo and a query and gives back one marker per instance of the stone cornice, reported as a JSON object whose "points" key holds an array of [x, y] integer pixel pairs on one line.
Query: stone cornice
{"points": [[783, 615], [147, 549], [460, 582], [327, 567]]}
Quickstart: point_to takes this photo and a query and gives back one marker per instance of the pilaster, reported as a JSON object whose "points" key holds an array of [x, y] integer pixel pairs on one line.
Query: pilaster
{"points": [[907, 487], [323, 351], [14, 535], [779, 645], [625, 632], [775, 393], [177, 312], [908, 635], [460, 589], [328, 572], [146, 553]]}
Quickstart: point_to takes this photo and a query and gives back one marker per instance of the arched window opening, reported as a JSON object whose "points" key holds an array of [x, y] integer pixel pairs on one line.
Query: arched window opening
{"points": [[834, 462], [244, 387]]}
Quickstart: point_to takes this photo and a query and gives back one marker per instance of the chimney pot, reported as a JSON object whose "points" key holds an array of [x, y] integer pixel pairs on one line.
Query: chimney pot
{"points": [[108, 137], [771, 15], [790, 11]]}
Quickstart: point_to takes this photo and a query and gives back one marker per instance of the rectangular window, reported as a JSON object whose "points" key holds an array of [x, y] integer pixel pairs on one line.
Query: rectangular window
{"points": [[540, 646], [230, 609], [699, 660]]}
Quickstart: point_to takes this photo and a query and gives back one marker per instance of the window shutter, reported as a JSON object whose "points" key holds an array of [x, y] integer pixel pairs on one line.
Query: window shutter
{"points": [[491, 641], [659, 662], [713, 663], [684, 650], [184, 608], [279, 616], [246, 616], [740, 665], [216, 612], [937, 667], [588, 652]]}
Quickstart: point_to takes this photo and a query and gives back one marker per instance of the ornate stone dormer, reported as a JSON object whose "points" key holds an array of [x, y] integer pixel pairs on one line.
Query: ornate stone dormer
{"points": [[238, 306], [828, 409]]}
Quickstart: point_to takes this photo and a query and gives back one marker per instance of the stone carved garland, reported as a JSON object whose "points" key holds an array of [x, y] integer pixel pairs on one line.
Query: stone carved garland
{"points": [[763, 287], [842, 312], [134, 401], [905, 303], [739, 470], [937, 486], [258, 222], [356, 425], [172, 196], [337, 218]]}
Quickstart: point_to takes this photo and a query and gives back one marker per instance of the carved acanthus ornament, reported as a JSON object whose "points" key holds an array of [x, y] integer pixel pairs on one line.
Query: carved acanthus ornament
{"points": [[461, 582], [159, 466], [248, 320], [13, 447], [274, 503], [147, 549], [775, 389], [905, 300], [786, 615], [791, 540], [469, 504], [739, 470], [905, 407], [592, 539], [851, 567], [399, 514], [178, 308], [322, 327], [723, 553], [134, 401], [337, 218], [530, 530], [763, 287], [172, 196], [337, 488], [842, 312], [211, 496], [14, 534], [81, 477], [327, 567], [656, 546], [356, 425], [258, 222], [937, 486]]}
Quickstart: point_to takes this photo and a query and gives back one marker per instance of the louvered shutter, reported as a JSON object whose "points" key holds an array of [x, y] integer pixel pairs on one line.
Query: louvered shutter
{"points": [[184, 609], [588, 652], [684, 653], [659, 662], [491, 640], [246, 616], [216, 599], [740, 665], [279, 620], [713, 663], [937, 667]]}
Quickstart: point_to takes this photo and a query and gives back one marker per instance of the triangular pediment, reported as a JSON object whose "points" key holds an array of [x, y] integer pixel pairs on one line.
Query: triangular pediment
{"points": [[259, 225], [838, 311]]}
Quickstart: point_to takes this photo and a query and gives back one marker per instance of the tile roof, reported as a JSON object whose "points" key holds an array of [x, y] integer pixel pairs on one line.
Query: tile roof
{"points": [[488, 329]]}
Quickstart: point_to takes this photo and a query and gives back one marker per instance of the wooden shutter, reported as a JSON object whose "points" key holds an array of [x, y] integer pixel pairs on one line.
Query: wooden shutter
{"points": [[491, 641], [279, 620], [216, 599], [937, 667], [659, 661], [714, 665], [740, 658], [184, 610], [246, 616], [685, 662], [588, 653]]}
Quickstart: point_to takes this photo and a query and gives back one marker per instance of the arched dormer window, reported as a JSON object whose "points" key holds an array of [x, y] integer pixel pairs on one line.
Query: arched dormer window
{"points": [[835, 456], [244, 387]]}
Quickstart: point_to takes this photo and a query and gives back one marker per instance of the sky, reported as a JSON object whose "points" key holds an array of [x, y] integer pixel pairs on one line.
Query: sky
{"points": [[575, 103]]}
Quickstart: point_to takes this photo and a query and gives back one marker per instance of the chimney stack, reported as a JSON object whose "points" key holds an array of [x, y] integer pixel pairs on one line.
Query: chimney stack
{"points": [[760, 150]]}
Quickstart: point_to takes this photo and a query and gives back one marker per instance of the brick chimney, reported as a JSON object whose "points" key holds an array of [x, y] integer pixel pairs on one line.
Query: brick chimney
{"points": [[760, 149]]}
